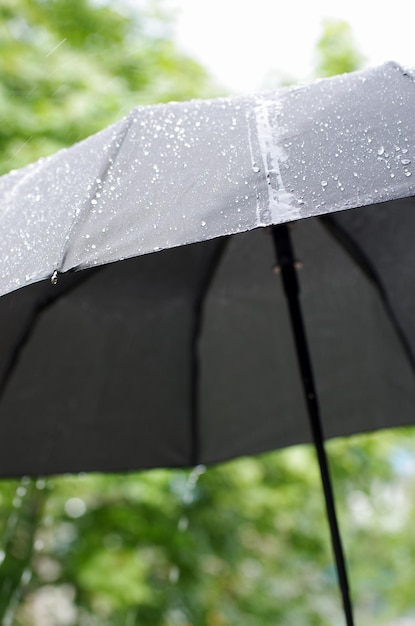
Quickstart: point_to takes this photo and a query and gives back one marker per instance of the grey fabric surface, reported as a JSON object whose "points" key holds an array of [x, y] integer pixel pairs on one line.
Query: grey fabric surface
{"points": [[185, 356], [179, 173]]}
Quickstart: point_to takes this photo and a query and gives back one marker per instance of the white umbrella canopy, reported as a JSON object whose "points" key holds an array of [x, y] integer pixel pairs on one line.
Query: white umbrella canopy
{"points": [[186, 356]]}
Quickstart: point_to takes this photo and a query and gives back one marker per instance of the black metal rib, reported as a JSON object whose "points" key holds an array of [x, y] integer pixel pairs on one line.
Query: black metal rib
{"points": [[199, 304], [286, 262], [360, 258], [48, 294]]}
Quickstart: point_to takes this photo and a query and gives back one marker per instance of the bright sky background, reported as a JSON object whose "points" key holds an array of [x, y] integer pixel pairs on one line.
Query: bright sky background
{"points": [[243, 41]]}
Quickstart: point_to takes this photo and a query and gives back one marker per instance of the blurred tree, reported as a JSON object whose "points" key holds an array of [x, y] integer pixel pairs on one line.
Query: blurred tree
{"points": [[68, 69], [336, 51], [245, 542]]}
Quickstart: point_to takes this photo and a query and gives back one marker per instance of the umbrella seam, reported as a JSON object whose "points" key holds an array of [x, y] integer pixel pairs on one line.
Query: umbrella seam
{"points": [[102, 176], [195, 354]]}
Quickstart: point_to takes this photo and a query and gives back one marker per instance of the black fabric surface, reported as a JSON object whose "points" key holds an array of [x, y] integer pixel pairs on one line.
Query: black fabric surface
{"points": [[99, 371]]}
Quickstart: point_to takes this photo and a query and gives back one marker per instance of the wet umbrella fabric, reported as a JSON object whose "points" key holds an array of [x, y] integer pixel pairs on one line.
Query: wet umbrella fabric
{"points": [[186, 356]]}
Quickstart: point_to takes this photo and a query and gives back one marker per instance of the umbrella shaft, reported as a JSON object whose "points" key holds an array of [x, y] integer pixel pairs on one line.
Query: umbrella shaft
{"points": [[286, 262]]}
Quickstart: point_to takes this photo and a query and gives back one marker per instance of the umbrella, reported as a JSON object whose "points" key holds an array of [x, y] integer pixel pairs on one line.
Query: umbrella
{"points": [[186, 356]]}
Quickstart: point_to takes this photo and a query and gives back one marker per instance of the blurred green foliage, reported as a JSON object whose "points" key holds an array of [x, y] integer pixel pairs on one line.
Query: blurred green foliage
{"points": [[244, 543], [68, 69], [336, 51]]}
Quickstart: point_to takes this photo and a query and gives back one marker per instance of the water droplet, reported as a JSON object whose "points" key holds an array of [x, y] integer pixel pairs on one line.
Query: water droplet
{"points": [[256, 169], [381, 150], [408, 173], [54, 277], [203, 223], [192, 479], [324, 183], [93, 201], [405, 161]]}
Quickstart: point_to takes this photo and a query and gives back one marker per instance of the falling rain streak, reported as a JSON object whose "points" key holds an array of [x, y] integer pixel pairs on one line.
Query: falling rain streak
{"points": [[58, 45], [17, 546], [187, 498]]}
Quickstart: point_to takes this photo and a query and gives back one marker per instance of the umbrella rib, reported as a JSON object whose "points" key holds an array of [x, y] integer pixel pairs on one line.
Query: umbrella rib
{"points": [[67, 283], [286, 262], [195, 341], [102, 175], [356, 252]]}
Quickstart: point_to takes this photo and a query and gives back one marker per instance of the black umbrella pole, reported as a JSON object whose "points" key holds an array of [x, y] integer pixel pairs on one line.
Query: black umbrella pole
{"points": [[287, 268]]}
